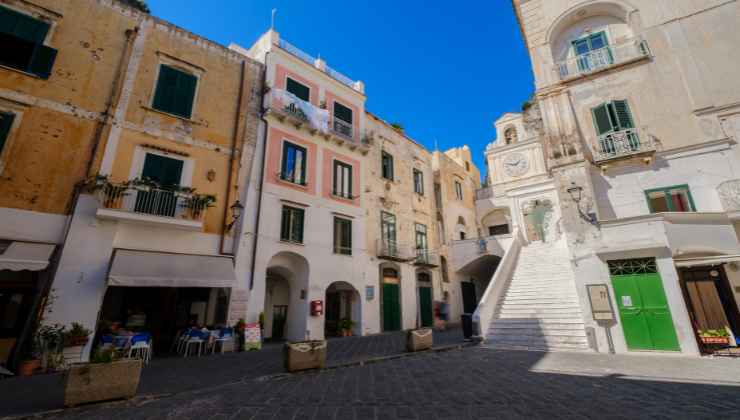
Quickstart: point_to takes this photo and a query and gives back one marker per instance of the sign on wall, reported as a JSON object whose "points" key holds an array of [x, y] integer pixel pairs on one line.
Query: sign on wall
{"points": [[369, 292], [601, 304]]}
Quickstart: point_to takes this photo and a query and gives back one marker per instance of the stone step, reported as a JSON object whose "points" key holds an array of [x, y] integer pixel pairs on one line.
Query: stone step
{"points": [[535, 301], [546, 340], [553, 348], [546, 293], [504, 334], [537, 323], [539, 313]]}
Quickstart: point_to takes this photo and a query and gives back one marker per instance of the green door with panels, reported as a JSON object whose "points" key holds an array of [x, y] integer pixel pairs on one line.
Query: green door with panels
{"points": [[391, 307], [425, 306], [643, 308]]}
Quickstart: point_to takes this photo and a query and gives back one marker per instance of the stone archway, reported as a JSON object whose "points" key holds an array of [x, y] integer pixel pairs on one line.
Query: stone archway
{"points": [[342, 302], [286, 304]]}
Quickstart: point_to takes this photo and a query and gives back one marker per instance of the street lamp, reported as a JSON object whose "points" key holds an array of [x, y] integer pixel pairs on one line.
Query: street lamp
{"points": [[576, 194], [236, 213]]}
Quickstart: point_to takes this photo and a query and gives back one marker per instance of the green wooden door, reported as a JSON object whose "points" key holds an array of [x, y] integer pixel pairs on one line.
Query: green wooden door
{"points": [[391, 307], [425, 306], [643, 310]]}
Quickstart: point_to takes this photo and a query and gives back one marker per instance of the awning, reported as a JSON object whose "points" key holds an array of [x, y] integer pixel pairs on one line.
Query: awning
{"points": [[26, 256], [159, 269], [713, 260]]}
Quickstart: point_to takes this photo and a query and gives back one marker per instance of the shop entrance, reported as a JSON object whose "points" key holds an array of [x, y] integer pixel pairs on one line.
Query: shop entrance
{"points": [[643, 307], [162, 311], [17, 293], [712, 308], [342, 313]]}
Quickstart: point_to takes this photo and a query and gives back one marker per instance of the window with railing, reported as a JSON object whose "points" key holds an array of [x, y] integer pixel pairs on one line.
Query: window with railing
{"points": [[293, 168], [615, 128], [388, 234], [593, 52], [422, 246]]}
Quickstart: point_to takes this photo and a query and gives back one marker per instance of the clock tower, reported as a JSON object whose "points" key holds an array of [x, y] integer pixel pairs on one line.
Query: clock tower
{"points": [[517, 154]]}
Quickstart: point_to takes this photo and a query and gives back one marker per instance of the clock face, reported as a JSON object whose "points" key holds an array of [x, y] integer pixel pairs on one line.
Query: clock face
{"points": [[516, 164]]}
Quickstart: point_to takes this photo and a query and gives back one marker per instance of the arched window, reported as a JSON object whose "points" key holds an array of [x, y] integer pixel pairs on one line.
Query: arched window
{"points": [[510, 135], [390, 272]]}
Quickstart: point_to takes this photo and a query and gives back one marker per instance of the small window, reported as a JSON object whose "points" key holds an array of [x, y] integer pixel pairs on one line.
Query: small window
{"points": [[291, 227], [387, 166], [510, 135], [418, 182], [6, 122], [458, 190], [22, 39], [342, 180], [175, 91], [342, 236], [294, 164], [467, 166], [677, 198], [298, 89], [498, 230], [342, 119]]}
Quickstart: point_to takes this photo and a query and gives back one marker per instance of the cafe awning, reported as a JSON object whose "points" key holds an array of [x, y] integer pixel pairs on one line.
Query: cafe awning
{"points": [[159, 269], [708, 261], [26, 256]]}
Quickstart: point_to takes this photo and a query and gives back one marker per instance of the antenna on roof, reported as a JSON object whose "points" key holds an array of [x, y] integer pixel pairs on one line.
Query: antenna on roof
{"points": [[436, 146], [272, 22]]}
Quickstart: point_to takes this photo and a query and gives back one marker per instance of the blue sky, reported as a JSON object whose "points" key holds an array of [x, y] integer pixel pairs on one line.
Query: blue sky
{"points": [[445, 70]]}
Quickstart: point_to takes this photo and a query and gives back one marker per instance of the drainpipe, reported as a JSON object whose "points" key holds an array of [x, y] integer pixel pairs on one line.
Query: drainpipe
{"points": [[239, 106], [262, 174]]}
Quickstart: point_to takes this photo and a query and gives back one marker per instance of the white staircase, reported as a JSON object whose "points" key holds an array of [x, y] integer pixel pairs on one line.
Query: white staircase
{"points": [[539, 309]]}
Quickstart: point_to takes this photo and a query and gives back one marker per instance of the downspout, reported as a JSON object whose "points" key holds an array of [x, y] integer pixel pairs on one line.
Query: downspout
{"points": [[239, 109], [39, 304], [262, 175]]}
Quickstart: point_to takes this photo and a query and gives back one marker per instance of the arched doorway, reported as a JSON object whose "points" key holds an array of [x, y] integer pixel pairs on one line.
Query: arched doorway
{"points": [[286, 306], [424, 303], [342, 305], [390, 297]]}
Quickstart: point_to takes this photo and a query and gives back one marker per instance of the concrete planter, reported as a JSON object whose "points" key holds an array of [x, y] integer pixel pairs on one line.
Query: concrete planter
{"points": [[305, 355], [101, 381], [419, 339]]}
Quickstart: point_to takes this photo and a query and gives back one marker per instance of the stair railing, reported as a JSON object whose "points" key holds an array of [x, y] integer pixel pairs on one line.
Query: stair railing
{"points": [[497, 286]]}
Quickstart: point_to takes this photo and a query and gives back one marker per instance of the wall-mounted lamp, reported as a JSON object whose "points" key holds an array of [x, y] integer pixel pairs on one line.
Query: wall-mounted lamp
{"points": [[236, 213], [576, 194]]}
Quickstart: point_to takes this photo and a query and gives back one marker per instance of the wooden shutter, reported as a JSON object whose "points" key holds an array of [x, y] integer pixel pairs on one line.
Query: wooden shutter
{"points": [[6, 121], [23, 26], [285, 224], [164, 96], [623, 114], [175, 92], [42, 61], [185, 94], [601, 119], [297, 228]]}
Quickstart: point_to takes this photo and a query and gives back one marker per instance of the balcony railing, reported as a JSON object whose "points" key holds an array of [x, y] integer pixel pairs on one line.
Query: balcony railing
{"points": [[484, 193], [154, 201], [595, 60], [624, 143], [426, 257], [394, 250], [342, 128], [307, 58]]}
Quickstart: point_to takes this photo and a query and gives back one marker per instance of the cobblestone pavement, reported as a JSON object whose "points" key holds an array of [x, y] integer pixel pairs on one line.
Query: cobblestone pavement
{"points": [[170, 375], [473, 383]]}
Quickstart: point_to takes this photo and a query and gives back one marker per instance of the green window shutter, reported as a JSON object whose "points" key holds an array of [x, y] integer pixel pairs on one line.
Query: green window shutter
{"points": [[23, 26], [297, 234], [285, 225], [185, 94], [6, 121], [42, 61], [601, 119], [623, 114], [298, 89], [175, 91]]}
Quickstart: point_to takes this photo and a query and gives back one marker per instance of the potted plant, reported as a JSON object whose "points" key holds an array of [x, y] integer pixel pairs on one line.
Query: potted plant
{"points": [[419, 339], [710, 336], [50, 340], [75, 340], [32, 362], [104, 378], [196, 204], [304, 355], [345, 327]]}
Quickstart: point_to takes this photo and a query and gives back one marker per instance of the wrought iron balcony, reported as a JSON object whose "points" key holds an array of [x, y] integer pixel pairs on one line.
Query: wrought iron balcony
{"points": [[426, 258], [484, 193], [621, 144], [342, 128], [393, 250], [176, 204], [611, 55]]}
